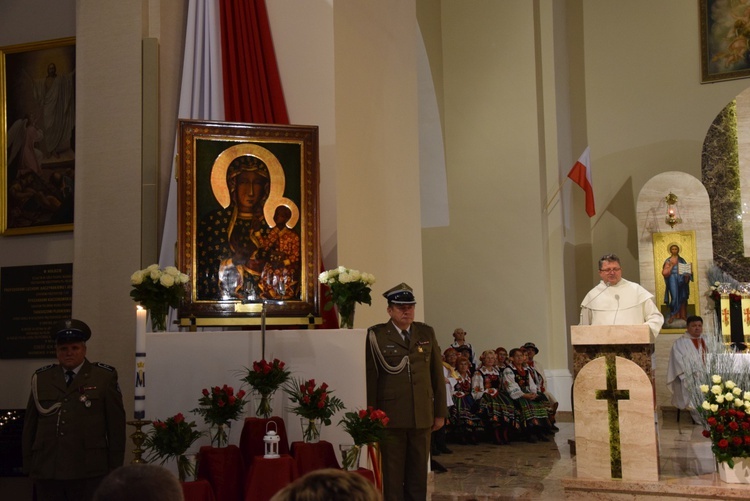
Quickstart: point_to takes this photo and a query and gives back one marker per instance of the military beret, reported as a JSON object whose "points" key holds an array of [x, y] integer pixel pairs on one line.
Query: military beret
{"points": [[70, 331], [401, 294]]}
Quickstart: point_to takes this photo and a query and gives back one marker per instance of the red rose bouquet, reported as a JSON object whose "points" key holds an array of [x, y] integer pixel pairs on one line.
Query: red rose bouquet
{"points": [[219, 406], [366, 426], [314, 403], [265, 378], [170, 439]]}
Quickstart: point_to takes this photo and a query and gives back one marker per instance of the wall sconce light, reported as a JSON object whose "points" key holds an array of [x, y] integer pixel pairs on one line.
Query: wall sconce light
{"points": [[673, 216]]}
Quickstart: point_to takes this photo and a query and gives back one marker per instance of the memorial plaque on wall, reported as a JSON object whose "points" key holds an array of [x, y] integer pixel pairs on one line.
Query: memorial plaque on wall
{"points": [[32, 300]]}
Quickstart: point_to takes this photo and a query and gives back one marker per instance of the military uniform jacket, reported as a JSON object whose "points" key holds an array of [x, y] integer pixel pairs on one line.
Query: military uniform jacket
{"points": [[85, 437], [416, 395]]}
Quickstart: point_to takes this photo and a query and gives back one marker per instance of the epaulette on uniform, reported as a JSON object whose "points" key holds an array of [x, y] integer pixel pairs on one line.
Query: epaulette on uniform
{"points": [[105, 366], [45, 368]]}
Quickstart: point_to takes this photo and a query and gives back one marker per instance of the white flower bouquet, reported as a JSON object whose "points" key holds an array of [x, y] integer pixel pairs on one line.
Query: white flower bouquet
{"points": [[347, 288], [157, 290]]}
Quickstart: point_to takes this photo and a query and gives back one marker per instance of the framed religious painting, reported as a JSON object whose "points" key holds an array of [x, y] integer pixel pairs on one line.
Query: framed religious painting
{"points": [[37, 168], [676, 278], [248, 223], [725, 32]]}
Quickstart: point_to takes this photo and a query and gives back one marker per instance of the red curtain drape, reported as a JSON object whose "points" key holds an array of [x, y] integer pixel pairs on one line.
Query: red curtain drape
{"points": [[252, 85]]}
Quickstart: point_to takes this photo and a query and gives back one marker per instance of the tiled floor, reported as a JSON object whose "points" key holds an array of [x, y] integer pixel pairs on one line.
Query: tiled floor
{"points": [[534, 471]]}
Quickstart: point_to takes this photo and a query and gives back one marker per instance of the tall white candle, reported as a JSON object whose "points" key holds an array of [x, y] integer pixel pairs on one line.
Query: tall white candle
{"points": [[140, 363]]}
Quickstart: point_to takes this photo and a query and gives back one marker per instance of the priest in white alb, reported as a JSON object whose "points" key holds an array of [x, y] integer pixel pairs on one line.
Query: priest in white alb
{"points": [[616, 301], [687, 355]]}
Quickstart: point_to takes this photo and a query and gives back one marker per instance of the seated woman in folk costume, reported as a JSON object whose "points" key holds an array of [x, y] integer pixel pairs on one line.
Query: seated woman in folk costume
{"points": [[531, 405], [464, 420], [531, 351], [502, 358], [496, 408]]}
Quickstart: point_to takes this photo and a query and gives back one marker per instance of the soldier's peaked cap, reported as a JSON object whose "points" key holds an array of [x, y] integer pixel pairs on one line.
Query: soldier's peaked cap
{"points": [[401, 294], [70, 331]]}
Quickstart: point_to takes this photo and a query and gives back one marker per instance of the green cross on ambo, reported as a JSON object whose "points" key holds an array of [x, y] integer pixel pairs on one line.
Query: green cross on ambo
{"points": [[612, 395]]}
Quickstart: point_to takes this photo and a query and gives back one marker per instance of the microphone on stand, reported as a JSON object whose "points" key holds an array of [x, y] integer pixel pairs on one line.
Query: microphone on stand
{"points": [[583, 306], [617, 297]]}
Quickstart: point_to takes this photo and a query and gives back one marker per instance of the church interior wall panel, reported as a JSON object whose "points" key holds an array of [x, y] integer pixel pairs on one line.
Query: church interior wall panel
{"points": [[694, 209], [377, 174], [479, 270]]}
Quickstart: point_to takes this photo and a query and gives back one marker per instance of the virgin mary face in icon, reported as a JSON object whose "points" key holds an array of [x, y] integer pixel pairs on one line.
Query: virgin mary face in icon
{"points": [[249, 184]]}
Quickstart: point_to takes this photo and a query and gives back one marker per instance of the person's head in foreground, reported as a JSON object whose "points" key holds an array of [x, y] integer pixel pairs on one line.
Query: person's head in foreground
{"points": [[144, 482], [329, 485]]}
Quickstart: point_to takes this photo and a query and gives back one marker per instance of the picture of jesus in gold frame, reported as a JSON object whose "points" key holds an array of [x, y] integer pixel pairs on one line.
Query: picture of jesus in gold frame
{"points": [[676, 281]]}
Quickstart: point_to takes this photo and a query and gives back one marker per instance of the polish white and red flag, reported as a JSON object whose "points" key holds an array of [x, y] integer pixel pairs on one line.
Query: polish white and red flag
{"points": [[581, 175]]}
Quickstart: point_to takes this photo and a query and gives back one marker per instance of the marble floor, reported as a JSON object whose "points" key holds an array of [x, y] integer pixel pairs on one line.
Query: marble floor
{"points": [[539, 471]]}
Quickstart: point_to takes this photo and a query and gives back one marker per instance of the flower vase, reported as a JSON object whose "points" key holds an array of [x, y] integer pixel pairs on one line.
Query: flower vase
{"points": [[263, 404], [187, 467], [311, 430], [220, 434], [346, 316], [740, 474], [350, 456], [158, 318]]}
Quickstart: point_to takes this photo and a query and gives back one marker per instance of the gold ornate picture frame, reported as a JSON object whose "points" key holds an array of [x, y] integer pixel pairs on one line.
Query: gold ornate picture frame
{"points": [[687, 259], [37, 133], [248, 223]]}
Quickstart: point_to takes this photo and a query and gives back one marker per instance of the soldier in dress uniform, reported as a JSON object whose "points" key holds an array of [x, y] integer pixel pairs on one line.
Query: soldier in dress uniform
{"points": [[405, 379], [74, 432]]}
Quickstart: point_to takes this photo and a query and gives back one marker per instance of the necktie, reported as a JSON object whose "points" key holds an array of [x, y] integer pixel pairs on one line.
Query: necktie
{"points": [[406, 335], [69, 375]]}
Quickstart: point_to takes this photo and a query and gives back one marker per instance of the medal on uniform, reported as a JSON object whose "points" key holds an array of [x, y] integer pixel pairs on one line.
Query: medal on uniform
{"points": [[83, 398], [419, 349]]}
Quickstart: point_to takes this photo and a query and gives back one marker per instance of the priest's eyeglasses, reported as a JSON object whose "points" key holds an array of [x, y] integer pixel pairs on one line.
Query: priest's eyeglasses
{"points": [[610, 270]]}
